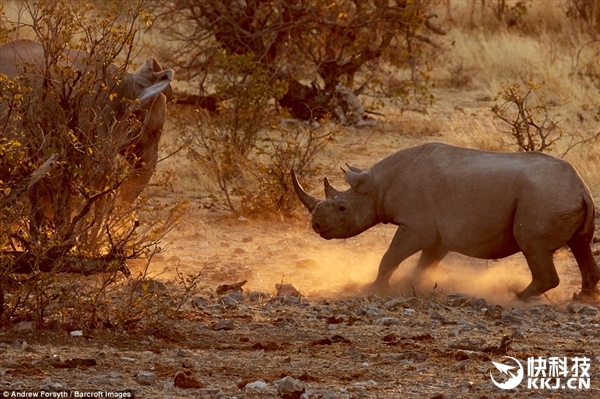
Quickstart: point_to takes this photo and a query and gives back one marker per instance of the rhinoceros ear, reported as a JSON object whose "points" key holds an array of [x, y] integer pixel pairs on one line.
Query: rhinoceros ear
{"points": [[330, 192], [354, 168], [150, 81], [359, 181]]}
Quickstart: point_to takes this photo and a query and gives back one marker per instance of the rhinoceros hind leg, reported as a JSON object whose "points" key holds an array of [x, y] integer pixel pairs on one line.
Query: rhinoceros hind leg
{"points": [[590, 272], [430, 259], [543, 273]]}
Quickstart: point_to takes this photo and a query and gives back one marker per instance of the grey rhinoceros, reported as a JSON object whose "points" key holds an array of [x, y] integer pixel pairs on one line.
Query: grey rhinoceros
{"points": [[481, 204], [148, 84]]}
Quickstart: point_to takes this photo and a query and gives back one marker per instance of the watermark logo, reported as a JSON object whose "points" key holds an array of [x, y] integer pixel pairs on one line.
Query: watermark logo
{"points": [[544, 373], [514, 380]]}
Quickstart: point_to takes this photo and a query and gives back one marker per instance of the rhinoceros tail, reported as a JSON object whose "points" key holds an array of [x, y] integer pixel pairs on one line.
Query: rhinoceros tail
{"points": [[589, 223]]}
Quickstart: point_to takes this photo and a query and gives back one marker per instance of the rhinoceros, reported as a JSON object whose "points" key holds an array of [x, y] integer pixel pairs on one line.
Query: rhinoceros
{"points": [[148, 84], [481, 204]]}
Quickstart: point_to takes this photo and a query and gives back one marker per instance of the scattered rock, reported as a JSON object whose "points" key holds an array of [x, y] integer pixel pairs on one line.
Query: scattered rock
{"points": [[145, 378], [24, 327], [76, 333], [199, 302], [224, 324], [255, 296], [187, 379], [388, 321], [289, 388], [237, 295], [579, 308], [188, 363], [457, 299], [395, 304], [229, 302], [259, 385]]}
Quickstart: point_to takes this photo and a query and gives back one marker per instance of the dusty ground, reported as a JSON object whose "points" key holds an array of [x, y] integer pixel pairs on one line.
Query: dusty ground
{"points": [[335, 341]]}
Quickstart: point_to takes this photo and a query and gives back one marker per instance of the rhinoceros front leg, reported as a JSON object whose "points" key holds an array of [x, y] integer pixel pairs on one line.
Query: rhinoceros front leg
{"points": [[403, 245]]}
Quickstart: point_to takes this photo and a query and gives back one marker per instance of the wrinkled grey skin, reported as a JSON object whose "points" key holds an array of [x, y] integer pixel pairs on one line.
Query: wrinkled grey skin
{"points": [[481, 204], [148, 84]]}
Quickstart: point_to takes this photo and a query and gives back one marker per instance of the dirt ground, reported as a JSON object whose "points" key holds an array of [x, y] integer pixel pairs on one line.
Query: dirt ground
{"points": [[325, 337]]}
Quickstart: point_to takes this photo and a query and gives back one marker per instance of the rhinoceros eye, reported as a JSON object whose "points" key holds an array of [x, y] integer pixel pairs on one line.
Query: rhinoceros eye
{"points": [[342, 208]]}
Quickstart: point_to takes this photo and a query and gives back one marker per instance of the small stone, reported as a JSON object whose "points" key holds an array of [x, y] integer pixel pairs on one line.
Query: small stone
{"points": [[24, 326], [369, 383], [187, 379], [16, 344], [247, 239], [289, 387], [145, 378], [479, 303], [372, 311], [458, 299], [237, 295], [255, 296], [412, 302], [224, 324], [114, 374], [229, 302], [437, 316], [188, 363], [76, 333], [388, 321], [259, 385], [182, 353], [199, 302]]}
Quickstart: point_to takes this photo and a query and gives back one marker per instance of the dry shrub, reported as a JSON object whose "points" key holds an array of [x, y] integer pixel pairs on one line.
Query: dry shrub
{"points": [[246, 146], [62, 162]]}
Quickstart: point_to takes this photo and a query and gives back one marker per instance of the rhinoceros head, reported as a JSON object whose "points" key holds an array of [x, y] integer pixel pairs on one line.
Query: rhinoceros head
{"points": [[342, 214]]}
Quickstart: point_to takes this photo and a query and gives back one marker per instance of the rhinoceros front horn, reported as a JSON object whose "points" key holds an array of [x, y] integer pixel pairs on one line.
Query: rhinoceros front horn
{"points": [[307, 200]]}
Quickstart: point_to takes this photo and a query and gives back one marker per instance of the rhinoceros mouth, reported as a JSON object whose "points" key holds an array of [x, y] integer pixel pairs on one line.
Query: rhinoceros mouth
{"points": [[325, 235]]}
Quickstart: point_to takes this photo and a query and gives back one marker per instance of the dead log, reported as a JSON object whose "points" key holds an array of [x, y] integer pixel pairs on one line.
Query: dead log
{"points": [[25, 263]]}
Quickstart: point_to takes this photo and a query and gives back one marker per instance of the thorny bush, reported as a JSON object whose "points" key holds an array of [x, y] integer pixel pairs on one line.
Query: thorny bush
{"points": [[245, 145], [532, 126], [59, 176]]}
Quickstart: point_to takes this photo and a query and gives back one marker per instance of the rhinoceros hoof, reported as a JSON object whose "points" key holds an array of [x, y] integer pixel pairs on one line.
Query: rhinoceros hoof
{"points": [[587, 296], [379, 289]]}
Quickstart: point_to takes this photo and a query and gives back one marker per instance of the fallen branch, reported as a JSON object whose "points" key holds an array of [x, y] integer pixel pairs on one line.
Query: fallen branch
{"points": [[25, 263]]}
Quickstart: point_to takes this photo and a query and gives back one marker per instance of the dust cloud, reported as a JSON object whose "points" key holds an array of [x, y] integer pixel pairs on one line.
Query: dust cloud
{"points": [[226, 253]]}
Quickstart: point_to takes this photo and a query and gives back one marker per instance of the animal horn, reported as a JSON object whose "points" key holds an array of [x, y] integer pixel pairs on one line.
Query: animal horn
{"points": [[330, 192], [307, 200]]}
